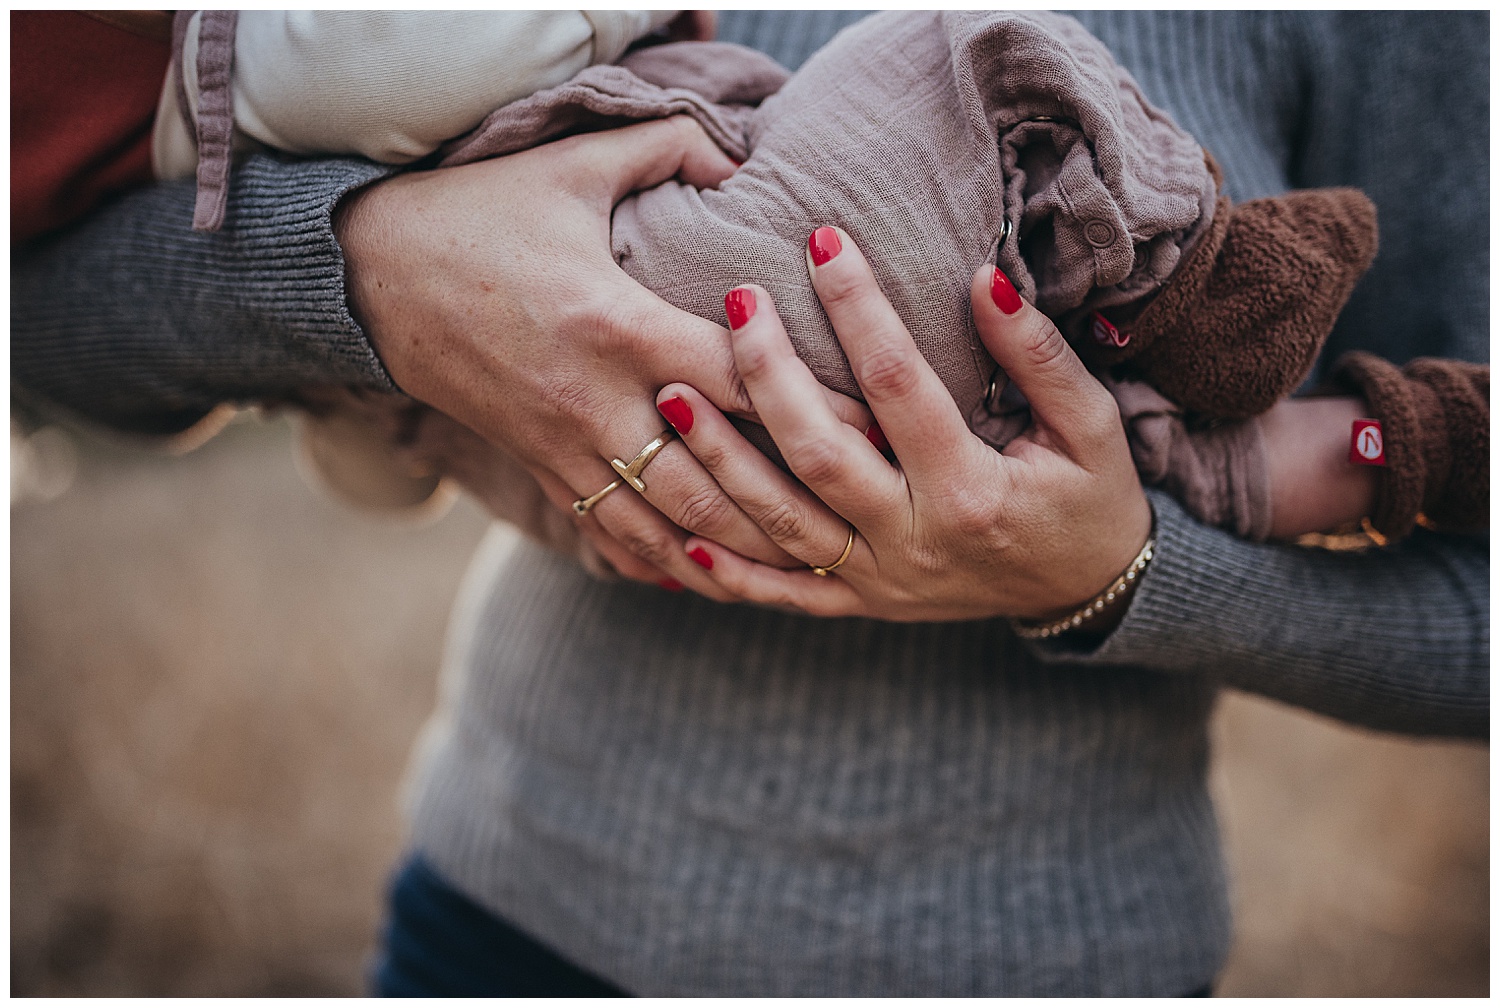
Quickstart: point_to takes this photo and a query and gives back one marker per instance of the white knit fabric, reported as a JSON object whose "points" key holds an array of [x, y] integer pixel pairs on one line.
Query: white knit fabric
{"points": [[390, 85]]}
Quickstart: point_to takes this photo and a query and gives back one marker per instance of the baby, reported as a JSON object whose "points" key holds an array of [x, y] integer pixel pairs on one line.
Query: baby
{"points": [[942, 140]]}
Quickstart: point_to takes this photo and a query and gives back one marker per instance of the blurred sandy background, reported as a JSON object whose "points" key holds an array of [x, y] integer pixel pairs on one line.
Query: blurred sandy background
{"points": [[217, 674]]}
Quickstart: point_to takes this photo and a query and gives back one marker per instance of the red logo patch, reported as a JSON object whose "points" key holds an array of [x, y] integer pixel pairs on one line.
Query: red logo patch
{"points": [[1366, 443], [1105, 333]]}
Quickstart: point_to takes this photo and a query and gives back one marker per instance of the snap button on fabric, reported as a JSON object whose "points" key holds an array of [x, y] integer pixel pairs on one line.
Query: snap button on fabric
{"points": [[1099, 233]]}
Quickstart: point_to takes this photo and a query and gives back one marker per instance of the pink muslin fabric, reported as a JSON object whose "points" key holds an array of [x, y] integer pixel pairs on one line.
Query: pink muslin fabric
{"points": [[935, 139]]}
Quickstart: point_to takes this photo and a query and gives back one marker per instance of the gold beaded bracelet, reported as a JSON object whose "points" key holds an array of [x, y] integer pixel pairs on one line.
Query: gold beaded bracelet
{"points": [[1121, 585]]}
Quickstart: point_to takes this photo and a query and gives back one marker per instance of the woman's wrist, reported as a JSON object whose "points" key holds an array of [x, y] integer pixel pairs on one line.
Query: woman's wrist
{"points": [[1101, 613]]}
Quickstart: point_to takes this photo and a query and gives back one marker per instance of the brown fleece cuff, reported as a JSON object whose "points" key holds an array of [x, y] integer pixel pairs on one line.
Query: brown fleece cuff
{"points": [[1435, 422], [1243, 318]]}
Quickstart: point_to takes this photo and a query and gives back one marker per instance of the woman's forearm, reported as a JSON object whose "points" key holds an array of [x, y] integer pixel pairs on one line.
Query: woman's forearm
{"points": [[134, 320], [1394, 638]]}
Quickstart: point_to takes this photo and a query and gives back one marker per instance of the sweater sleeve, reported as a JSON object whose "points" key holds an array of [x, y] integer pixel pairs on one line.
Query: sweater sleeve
{"points": [[135, 321], [1393, 638]]}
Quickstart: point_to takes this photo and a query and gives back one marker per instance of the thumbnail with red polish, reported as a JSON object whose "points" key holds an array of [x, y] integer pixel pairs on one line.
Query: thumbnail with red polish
{"points": [[678, 413], [671, 584], [1003, 294], [739, 307], [877, 438], [701, 558], [823, 244]]}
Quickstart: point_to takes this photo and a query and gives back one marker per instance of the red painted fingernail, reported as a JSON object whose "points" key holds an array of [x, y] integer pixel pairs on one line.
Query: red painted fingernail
{"points": [[701, 558], [823, 244], [739, 307], [678, 413], [877, 438], [1003, 294], [671, 584]]}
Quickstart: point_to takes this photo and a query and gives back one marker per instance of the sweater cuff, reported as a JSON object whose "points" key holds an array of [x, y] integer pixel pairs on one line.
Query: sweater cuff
{"points": [[284, 220], [1200, 591], [1394, 638]]}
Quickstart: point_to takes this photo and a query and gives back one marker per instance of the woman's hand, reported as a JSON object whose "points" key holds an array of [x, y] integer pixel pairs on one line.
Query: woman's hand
{"points": [[490, 293], [951, 530]]}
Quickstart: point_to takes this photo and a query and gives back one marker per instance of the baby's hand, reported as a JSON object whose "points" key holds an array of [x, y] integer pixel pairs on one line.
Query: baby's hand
{"points": [[1277, 476], [1314, 487]]}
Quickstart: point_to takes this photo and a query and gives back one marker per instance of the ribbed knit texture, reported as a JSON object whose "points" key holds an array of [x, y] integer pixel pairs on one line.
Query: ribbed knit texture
{"points": [[690, 798], [134, 323]]}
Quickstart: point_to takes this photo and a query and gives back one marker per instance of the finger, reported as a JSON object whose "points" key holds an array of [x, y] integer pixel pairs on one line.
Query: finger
{"points": [[637, 527], [677, 485], [802, 591], [688, 495], [792, 517], [681, 346], [850, 411], [1068, 402], [916, 412], [836, 462], [617, 559], [622, 161]]}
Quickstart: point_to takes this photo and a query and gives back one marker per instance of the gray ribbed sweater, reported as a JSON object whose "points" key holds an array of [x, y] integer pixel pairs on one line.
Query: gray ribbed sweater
{"points": [[687, 798]]}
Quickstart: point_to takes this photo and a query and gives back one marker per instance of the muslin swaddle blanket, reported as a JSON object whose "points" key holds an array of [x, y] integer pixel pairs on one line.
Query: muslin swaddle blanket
{"points": [[942, 140]]}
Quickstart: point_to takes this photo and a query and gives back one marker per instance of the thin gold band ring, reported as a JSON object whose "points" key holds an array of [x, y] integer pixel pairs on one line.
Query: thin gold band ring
{"points": [[848, 548]]}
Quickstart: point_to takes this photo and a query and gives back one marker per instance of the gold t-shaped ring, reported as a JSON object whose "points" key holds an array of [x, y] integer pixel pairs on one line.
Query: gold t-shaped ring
{"points": [[631, 472]]}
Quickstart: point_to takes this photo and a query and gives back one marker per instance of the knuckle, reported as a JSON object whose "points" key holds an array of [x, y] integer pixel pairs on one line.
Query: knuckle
{"points": [[815, 462], [785, 521], [1100, 412], [1043, 345], [686, 129], [888, 372], [754, 362], [972, 516], [838, 288], [652, 547], [736, 396], [928, 566], [705, 511], [713, 455], [617, 328]]}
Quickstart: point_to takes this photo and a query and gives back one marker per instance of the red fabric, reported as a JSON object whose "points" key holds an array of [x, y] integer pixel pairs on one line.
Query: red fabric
{"points": [[82, 99]]}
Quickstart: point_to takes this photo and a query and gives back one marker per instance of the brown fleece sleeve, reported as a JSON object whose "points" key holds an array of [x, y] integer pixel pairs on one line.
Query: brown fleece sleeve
{"points": [[1435, 421], [1241, 322]]}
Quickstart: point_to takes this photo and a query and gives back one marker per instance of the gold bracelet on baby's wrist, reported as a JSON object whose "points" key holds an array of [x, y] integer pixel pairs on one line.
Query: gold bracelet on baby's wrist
{"points": [[1118, 588]]}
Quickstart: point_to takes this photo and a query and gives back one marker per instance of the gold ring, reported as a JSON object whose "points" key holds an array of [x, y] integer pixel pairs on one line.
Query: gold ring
{"points": [[632, 471], [629, 473], [583, 505], [848, 548]]}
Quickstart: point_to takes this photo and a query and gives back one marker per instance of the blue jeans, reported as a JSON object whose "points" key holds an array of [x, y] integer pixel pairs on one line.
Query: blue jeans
{"points": [[438, 942]]}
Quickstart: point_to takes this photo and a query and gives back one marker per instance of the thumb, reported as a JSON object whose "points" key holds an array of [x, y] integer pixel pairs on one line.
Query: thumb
{"points": [[623, 161], [1066, 401]]}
